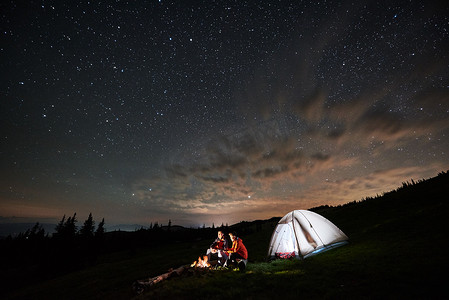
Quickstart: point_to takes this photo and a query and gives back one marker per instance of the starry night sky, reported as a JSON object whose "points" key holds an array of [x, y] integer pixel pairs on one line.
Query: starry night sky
{"points": [[216, 111]]}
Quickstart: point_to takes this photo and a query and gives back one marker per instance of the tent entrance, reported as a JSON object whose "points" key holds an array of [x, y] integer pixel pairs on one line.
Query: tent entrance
{"points": [[302, 233]]}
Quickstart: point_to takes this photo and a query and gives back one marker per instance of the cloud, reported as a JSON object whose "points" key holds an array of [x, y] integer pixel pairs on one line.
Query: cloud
{"points": [[356, 188], [381, 124], [232, 169], [25, 209], [311, 107], [367, 119]]}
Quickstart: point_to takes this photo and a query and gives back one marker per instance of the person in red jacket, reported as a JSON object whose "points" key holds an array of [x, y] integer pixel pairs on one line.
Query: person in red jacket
{"points": [[237, 252]]}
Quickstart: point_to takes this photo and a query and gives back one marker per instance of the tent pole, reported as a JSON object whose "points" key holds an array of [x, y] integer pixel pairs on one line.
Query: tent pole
{"points": [[311, 226], [294, 231]]}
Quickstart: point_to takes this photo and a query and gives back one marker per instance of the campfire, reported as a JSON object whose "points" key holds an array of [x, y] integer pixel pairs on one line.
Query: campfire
{"points": [[201, 263]]}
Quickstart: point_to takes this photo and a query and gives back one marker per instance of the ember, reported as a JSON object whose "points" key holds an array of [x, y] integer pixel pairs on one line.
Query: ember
{"points": [[201, 263]]}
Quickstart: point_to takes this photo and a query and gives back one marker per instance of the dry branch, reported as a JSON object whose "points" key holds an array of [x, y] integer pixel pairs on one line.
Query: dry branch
{"points": [[187, 270], [140, 285]]}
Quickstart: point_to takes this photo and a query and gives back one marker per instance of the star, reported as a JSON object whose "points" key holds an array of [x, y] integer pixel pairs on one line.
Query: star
{"points": [[195, 108]]}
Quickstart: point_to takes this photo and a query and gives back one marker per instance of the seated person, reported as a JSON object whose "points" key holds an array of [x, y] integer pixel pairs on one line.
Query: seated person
{"points": [[217, 250], [237, 252]]}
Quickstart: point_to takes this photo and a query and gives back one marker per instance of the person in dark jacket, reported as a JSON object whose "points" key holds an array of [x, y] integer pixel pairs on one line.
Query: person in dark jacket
{"points": [[217, 250], [237, 254]]}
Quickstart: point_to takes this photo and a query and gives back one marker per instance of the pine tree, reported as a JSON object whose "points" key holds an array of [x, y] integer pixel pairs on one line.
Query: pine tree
{"points": [[66, 229], [87, 230], [70, 227], [100, 229], [37, 232], [59, 228]]}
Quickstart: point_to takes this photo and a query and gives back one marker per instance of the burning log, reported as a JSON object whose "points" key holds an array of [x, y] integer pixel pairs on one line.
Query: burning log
{"points": [[201, 265]]}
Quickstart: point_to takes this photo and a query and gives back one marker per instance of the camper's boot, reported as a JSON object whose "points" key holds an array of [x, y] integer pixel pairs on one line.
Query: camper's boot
{"points": [[241, 265]]}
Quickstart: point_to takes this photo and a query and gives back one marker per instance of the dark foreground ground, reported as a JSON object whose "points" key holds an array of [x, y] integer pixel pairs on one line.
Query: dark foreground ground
{"points": [[398, 250]]}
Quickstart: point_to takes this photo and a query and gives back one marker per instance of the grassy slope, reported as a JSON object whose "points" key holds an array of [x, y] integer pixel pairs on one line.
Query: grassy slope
{"points": [[397, 249]]}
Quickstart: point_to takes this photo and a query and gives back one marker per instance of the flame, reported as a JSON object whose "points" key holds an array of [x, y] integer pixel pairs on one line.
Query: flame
{"points": [[201, 263]]}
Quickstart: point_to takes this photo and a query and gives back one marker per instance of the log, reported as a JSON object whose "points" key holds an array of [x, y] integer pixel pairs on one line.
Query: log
{"points": [[140, 285]]}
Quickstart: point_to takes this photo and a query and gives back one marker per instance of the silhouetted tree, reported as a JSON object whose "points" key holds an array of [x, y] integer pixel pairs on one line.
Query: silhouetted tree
{"points": [[59, 230], [66, 230], [70, 229], [87, 230], [37, 232], [100, 229]]}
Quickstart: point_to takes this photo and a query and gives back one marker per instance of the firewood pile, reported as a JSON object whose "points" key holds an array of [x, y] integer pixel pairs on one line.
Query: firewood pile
{"points": [[201, 266]]}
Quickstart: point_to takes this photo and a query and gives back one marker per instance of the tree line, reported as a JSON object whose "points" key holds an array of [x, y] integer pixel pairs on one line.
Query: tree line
{"points": [[65, 230], [39, 255]]}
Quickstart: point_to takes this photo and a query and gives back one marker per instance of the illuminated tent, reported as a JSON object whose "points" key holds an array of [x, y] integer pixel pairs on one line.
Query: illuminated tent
{"points": [[302, 233]]}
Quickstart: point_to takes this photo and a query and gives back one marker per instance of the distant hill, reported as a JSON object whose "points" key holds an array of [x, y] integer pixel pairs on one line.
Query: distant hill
{"points": [[125, 227], [14, 229], [406, 200], [409, 191]]}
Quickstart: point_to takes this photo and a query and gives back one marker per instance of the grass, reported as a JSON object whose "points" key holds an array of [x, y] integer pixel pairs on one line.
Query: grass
{"points": [[397, 250], [112, 277], [359, 270]]}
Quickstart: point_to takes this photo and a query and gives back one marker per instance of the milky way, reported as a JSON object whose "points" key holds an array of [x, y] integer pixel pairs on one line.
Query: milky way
{"points": [[208, 112]]}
